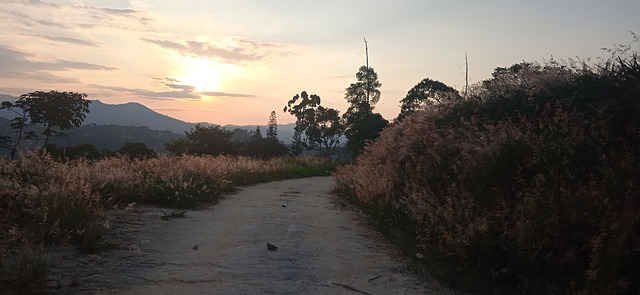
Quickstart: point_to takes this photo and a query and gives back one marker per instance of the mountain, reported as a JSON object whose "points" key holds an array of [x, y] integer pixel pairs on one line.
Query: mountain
{"points": [[137, 115], [133, 114]]}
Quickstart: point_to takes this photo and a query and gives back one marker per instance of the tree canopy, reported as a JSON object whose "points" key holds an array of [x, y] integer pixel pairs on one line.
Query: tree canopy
{"points": [[212, 140], [322, 127], [425, 93], [55, 111], [361, 124]]}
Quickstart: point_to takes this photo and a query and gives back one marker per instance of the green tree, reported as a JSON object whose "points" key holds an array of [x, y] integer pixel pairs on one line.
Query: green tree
{"points": [[425, 93], [212, 140], [272, 130], [322, 127], [361, 124], [55, 111]]}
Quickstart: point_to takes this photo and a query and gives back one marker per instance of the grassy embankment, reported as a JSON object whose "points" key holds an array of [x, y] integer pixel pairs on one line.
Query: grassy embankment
{"points": [[529, 184]]}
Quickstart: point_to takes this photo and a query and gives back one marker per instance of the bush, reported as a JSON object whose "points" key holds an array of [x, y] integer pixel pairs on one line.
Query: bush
{"points": [[530, 183]]}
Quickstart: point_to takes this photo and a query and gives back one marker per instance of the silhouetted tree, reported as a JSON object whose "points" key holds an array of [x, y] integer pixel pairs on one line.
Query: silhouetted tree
{"points": [[136, 150], [212, 140], [240, 135], [425, 93], [257, 133], [18, 124], [178, 146], [55, 111], [304, 113], [264, 148], [362, 125], [322, 127], [80, 151], [272, 130]]}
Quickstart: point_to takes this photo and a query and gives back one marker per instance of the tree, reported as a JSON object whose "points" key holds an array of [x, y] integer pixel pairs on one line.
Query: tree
{"points": [[364, 94], [322, 127], [18, 124], [55, 111], [272, 130], [136, 150], [304, 113], [212, 140], [80, 151], [362, 125], [326, 133], [178, 146], [264, 148], [240, 135], [257, 133], [425, 93]]}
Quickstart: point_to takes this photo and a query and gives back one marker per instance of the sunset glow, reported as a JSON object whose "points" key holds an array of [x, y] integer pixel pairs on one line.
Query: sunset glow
{"points": [[201, 73], [191, 59]]}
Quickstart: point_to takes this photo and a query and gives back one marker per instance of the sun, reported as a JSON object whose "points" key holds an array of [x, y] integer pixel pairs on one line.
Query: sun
{"points": [[201, 73]]}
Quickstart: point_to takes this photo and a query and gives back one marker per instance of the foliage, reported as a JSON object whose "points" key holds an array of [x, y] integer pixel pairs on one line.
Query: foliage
{"points": [[365, 128], [264, 148], [272, 129], [80, 151], [136, 150], [321, 126], [257, 133], [53, 110], [361, 124], [425, 93], [529, 184], [212, 140], [365, 92]]}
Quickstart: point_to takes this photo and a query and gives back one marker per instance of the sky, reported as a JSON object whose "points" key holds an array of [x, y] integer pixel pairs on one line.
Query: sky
{"points": [[233, 62]]}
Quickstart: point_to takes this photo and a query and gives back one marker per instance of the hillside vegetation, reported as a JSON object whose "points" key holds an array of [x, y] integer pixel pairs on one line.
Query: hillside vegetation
{"points": [[530, 183]]}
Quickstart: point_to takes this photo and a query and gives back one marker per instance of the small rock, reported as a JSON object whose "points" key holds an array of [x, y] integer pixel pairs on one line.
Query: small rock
{"points": [[195, 247], [271, 247]]}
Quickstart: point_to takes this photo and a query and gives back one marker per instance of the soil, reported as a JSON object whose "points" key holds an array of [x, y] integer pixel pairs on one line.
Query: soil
{"points": [[315, 247]]}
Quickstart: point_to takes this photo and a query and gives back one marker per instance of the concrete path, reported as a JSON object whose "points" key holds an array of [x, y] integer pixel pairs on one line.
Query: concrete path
{"points": [[222, 249]]}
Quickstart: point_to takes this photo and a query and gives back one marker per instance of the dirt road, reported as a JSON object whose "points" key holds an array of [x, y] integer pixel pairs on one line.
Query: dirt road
{"points": [[321, 249]]}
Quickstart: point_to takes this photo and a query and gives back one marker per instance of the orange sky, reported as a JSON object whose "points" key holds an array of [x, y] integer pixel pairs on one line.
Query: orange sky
{"points": [[233, 62]]}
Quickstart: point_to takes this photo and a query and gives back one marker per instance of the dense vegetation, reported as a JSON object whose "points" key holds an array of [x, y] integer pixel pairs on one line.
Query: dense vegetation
{"points": [[530, 183]]}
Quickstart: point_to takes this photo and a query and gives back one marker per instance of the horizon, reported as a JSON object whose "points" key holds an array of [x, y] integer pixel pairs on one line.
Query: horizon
{"points": [[234, 63]]}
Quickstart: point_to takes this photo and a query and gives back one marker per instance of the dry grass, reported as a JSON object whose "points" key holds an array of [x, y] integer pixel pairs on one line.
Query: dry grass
{"points": [[44, 201], [531, 183]]}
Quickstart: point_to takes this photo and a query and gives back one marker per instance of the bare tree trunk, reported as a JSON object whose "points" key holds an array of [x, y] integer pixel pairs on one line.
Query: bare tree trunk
{"points": [[466, 74]]}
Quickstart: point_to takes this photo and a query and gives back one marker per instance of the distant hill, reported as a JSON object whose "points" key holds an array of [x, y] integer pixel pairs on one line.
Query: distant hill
{"points": [[133, 114], [144, 123]]}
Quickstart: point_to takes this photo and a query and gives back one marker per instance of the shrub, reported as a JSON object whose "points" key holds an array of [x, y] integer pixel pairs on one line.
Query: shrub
{"points": [[529, 183]]}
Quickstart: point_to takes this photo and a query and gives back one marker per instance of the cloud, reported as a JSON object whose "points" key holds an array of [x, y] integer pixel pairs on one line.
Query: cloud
{"points": [[225, 94], [32, 22], [68, 40], [18, 64], [240, 51], [205, 49], [177, 91], [35, 15], [149, 94]]}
